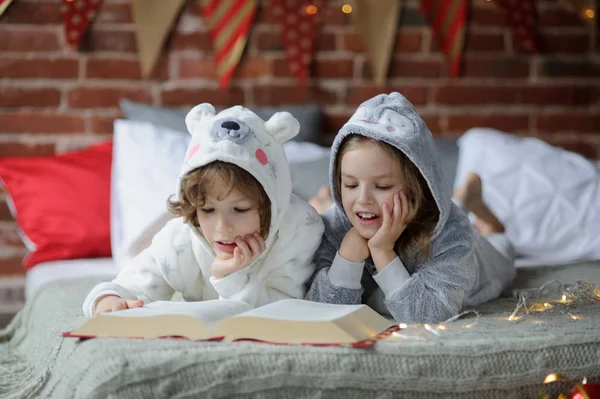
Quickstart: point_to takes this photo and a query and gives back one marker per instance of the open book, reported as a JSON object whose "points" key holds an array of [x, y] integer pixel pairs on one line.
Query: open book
{"points": [[288, 321]]}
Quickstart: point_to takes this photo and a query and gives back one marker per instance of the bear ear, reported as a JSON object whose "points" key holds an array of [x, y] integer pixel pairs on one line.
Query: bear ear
{"points": [[282, 126], [194, 118]]}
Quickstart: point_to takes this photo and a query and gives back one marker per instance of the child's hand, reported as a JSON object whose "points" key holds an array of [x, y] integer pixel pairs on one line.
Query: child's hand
{"points": [[247, 250], [111, 303], [394, 223], [354, 247]]}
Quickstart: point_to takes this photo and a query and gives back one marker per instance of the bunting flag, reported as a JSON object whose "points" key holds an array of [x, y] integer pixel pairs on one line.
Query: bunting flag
{"points": [[377, 24], [228, 25], [4, 5], [153, 20], [521, 16], [77, 16], [588, 12], [298, 21], [448, 19]]}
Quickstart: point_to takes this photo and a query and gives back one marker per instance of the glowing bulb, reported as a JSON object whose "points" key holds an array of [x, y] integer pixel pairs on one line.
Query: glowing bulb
{"points": [[346, 8], [441, 327], [564, 298], [551, 378], [402, 325], [311, 9], [589, 13]]}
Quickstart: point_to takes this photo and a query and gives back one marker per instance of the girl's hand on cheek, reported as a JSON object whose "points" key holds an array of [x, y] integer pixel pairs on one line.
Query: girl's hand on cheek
{"points": [[248, 249], [354, 247], [394, 223]]}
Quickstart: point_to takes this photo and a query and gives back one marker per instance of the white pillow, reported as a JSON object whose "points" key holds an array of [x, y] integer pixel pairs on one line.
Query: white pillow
{"points": [[548, 198], [145, 166], [146, 163]]}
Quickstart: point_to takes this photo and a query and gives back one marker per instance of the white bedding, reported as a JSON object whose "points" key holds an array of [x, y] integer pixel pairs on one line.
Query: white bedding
{"points": [[47, 272]]}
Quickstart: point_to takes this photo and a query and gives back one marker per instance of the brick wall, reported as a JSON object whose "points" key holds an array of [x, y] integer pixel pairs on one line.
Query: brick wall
{"points": [[52, 99]]}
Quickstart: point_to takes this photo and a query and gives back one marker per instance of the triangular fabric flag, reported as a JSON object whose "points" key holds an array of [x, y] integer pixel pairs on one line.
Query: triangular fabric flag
{"points": [[77, 16], [377, 24], [448, 19], [4, 5], [298, 20], [588, 12], [153, 20], [521, 16], [228, 23]]}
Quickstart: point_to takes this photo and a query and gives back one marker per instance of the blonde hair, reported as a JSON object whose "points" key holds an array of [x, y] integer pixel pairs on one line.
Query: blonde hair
{"points": [[417, 235], [192, 193]]}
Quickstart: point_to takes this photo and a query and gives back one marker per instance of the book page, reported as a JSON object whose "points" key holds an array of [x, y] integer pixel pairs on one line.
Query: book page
{"points": [[208, 311], [301, 310]]}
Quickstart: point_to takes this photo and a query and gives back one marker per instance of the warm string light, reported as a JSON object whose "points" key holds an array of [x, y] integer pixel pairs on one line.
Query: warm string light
{"points": [[311, 9], [346, 8], [419, 331], [589, 13]]}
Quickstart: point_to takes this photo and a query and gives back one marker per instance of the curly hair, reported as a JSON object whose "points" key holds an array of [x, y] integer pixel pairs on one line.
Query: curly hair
{"points": [[192, 194], [417, 235]]}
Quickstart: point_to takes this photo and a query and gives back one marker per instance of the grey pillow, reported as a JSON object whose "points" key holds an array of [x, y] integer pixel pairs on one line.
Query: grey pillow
{"points": [[309, 116]]}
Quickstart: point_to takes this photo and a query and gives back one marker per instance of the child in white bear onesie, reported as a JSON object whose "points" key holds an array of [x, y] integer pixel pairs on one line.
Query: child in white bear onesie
{"points": [[240, 232]]}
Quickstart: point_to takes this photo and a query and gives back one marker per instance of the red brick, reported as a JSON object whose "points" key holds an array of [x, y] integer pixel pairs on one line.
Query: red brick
{"points": [[325, 42], [558, 17], [31, 39], [552, 123], [400, 68], [332, 123], [187, 97], [108, 40], [28, 97], [481, 42], [357, 95], [267, 41], [456, 94], [114, 13], [37, 122], [251, 67], [487, 16], [15, 149], [333, 68], [406, 42], [505, 122], [59, 68], [433, 123], [576, 69], [559, 43], [21, 12], [103, 124], [104, 97], [5, 214], [287, 95], [197, 68], [496, 68], [561, 95], [112, 68], [197, 41], [11, 265]]}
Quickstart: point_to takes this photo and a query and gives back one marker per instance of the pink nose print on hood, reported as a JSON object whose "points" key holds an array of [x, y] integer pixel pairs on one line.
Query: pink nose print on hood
{"points": [[193, 150], [390, 128], [261, 156]]}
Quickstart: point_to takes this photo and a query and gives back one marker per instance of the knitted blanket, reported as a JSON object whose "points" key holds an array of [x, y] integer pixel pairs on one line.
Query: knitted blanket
{"points": [[474, 357]]}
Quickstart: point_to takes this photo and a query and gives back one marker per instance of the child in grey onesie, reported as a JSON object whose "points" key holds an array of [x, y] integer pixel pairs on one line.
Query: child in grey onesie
{"points": [[394, 238]]}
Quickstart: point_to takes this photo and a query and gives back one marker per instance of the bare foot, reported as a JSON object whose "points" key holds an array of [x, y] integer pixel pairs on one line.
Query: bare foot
{"points": [[323, 200], [484, 228], [469, 193]]}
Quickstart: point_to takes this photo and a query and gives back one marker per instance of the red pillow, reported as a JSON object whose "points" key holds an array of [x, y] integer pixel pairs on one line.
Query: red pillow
{"points": [[61, 203]]}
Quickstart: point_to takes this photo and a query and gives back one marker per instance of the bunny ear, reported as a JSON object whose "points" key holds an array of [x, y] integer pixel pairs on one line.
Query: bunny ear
{"points": [[282, 126], [194, 118]]}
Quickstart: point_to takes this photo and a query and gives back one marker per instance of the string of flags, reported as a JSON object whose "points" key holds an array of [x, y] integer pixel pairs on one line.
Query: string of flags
{"points": [[229, 23]]}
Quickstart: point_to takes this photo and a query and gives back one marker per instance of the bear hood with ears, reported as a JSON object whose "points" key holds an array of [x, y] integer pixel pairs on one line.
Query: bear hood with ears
{"points": [[238, 136]]}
